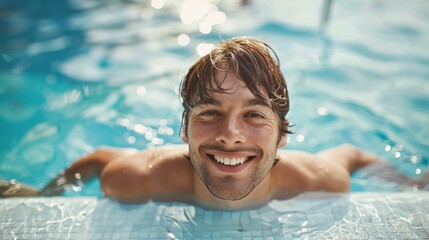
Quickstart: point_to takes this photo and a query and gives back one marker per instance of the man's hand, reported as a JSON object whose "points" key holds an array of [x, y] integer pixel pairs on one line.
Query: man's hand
{"points": [[15, 189]]}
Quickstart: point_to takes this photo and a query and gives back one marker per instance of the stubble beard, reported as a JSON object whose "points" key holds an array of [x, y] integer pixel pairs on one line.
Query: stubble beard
{"points": [[230, 188]]}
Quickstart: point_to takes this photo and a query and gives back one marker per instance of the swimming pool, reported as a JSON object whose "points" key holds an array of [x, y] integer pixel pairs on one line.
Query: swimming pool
{"points": [[76, 75]]}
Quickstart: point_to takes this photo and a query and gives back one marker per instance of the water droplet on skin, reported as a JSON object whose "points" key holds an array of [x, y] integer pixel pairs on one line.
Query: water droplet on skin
{"points": [[61, 181], [76, 188], [78, 176]]}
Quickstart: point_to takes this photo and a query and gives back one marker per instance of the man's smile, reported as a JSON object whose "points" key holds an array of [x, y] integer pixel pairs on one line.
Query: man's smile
{"points": [[230, 161]]}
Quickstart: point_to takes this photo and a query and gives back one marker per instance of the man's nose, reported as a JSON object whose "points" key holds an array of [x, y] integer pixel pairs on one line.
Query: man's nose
{"points": [[231, 131]]}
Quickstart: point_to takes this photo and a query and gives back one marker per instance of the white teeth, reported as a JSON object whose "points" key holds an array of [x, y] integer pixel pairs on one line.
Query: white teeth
{"points": [[230, 161]]}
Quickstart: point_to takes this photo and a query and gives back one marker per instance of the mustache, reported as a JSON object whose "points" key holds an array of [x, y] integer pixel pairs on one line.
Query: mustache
{"points": [[258, 151]]}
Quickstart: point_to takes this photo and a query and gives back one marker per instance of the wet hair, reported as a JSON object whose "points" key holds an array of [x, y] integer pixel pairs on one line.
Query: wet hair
{"points": [[252, 61]]}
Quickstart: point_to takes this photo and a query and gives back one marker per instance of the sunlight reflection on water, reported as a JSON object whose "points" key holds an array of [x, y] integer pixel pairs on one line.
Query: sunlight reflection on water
{"points": [[107, 73]]}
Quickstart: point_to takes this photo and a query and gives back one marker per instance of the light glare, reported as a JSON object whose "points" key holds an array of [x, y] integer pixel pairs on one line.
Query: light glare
{"points": [[414, 159], [300, 138], [387, 148], [205, 27], [204, 48], [131, 139], [139, 128], [195, 10], [215, 18], [322, 111], [183, 40], [157, 4], [141, 91]]}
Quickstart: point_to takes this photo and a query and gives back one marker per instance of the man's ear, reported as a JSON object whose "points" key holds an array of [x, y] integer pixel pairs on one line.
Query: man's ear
{"points": [[184, 135], [283, 138], [283, 141], [183, 131]]}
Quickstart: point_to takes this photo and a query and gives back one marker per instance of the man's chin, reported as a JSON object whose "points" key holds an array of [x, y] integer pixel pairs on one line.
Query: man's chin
{"points": [[229, 195]]}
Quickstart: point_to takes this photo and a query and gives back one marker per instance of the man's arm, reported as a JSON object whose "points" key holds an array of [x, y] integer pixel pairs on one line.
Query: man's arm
{"points": [[125, 174], [151, 174], [13, 188], [84, 169], [81, 171], [328, 170], [342, 158], [349, 157]]}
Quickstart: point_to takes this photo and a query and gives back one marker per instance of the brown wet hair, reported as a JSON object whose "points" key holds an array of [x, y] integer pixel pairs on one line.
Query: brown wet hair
{"points": [[253, 61]]}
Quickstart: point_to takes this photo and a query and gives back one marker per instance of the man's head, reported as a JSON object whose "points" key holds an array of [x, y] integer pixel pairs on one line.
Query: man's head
{"points": [[253, 61], [235, 101]]}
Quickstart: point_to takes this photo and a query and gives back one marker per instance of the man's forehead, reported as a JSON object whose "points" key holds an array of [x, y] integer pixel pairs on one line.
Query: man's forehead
{"points": [[218, 100]]}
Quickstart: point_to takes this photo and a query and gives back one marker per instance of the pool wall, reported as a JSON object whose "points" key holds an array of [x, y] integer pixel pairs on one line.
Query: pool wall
{"points": [[309, 216]]}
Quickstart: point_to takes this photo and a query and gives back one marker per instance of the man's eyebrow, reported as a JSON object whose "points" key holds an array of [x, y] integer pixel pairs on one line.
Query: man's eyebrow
{"points": [[248, 103], [208, 101], [258, 102]]}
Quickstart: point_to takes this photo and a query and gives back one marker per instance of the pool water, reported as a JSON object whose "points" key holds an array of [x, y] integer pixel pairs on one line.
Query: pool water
{"points": [[76, 75], [79, 74]]}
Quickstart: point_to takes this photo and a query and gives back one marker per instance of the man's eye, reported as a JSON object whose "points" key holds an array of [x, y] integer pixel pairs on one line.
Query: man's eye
{"points": [[209, 113], [255, 115]]}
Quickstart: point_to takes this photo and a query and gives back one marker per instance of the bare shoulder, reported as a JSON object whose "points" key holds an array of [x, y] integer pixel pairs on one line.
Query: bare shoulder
{"points": [[155, 171], [305, 171]]}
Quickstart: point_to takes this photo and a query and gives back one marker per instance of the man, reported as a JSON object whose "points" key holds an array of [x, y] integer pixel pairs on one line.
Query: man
{"points": [[235, 103]]}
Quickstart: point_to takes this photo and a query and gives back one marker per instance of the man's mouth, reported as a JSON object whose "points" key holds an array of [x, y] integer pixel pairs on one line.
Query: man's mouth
{"points": [[230, 161]]}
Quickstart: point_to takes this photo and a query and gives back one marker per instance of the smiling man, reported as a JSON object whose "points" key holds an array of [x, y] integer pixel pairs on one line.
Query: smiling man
{"points": [[235, 103]]}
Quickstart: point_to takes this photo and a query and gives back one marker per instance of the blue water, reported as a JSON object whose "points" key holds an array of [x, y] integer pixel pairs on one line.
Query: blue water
{"points": [[78, 74]]}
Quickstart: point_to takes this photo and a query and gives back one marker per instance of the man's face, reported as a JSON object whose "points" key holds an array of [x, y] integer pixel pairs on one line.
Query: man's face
{"points": [[233, 140]]}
